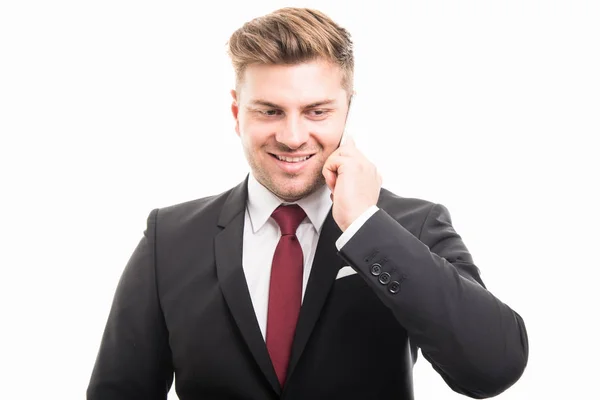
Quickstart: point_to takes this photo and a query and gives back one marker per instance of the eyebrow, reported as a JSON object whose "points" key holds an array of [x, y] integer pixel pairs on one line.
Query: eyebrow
{"points": [[259, 102]]}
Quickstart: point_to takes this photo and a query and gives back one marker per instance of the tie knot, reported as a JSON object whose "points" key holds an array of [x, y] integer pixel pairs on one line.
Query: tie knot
{"points": [[288, 218]]}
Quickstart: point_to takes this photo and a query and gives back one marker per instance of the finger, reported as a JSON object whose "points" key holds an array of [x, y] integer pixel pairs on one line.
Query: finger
{"points": [[330, 178], [347, 152], [330, 169], [334, 162]]}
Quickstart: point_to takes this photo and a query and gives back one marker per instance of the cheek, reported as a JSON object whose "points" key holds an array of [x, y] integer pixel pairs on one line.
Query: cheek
{"points": [[252, 134], [330, 139], [329, 132]]}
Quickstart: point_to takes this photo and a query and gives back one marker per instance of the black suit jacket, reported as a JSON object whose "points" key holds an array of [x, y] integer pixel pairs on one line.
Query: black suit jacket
{"points": [[182, 306]]}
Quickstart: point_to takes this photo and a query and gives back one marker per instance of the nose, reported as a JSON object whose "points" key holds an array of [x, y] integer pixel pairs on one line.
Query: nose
{"points": [[293, 133]]}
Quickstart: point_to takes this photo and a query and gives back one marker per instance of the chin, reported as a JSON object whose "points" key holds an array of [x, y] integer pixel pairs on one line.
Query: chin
{"points": [[293, 189]]}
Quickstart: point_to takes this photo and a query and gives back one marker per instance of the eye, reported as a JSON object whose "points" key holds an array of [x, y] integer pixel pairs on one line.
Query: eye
{"points": [[271, 112], [318, 113]]}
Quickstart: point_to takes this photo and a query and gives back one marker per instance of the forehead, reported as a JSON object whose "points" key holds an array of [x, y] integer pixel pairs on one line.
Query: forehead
{"points": [[293, 84]]}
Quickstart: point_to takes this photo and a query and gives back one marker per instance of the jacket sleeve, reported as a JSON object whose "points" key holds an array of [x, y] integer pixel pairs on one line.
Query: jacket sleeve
{"points": [[474, 341], [134, 359]]}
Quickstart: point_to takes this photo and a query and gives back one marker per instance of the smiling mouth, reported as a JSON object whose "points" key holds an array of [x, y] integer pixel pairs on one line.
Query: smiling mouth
{"points": [[292, 159]]}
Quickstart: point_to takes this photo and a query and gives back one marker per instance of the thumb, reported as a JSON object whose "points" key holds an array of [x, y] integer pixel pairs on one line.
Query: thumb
{"points": [[330, 178]]}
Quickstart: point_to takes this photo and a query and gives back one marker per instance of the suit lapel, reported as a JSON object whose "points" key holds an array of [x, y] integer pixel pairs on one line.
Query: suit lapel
{"points": [[326, 265], [228, 255]]}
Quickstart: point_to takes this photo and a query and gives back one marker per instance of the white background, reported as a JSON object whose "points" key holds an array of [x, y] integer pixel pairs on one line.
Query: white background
{"points": [[110, 109]]}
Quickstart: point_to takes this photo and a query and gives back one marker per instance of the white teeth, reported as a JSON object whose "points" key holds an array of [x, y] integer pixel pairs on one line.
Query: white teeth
{"points": [[293, 159]]}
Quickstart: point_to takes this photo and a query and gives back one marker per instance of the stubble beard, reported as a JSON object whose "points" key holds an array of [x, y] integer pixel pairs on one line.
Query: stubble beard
{"points": [[262, 175]]}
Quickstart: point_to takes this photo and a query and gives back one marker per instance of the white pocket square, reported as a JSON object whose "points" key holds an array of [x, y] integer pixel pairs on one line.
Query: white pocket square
{"points": [[345, 271]]}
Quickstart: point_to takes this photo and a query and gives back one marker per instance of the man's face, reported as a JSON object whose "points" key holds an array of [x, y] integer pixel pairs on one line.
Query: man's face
{"points": [[290, 118]]}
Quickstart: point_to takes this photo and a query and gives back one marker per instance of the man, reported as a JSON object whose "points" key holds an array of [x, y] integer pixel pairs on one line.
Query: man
{"points": [[307, 280]]}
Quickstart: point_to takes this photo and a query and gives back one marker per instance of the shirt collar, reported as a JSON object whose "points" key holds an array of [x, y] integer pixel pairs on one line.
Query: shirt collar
{"points": [[262, 202]]}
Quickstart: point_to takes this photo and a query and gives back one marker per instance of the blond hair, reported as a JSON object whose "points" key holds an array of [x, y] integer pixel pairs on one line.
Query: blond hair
{"points": [[292, 36]]}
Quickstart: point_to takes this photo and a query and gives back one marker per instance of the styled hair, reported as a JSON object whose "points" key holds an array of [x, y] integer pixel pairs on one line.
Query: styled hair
{"points": [[292, 36]]}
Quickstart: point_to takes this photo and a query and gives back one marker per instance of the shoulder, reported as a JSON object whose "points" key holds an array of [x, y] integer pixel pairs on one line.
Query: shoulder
{"points": [[192, 209], [182, 217], [396, 205], [410, 212]]}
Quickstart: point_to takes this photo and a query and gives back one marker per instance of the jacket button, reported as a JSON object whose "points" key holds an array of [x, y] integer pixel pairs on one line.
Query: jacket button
{"points": [[384, 278], [394, 287], [375, 269]]}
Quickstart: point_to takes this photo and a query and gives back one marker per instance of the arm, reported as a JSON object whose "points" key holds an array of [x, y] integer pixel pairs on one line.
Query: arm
{"points": [[474, 341], [134, 360]]}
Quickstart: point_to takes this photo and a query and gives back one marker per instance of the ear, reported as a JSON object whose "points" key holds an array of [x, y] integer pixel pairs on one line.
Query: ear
{"points": [[235, 110]]}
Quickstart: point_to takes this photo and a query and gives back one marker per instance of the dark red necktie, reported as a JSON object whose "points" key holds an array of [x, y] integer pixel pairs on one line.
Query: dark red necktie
{"points": [[285, 289]]}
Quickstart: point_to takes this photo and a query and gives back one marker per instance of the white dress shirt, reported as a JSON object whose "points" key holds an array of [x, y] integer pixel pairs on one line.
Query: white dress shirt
{"points": [[262, 233]]}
